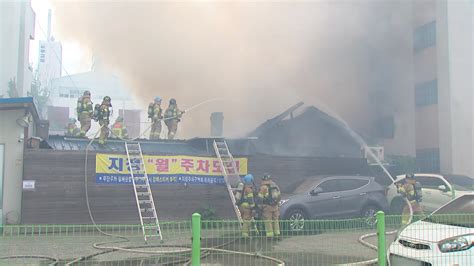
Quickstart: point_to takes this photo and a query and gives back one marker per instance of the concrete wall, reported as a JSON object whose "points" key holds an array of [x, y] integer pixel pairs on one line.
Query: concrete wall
{"points": [[9, 39], [16, 30], [13, 172], [455, 85], [427, 127], [460, 49]]}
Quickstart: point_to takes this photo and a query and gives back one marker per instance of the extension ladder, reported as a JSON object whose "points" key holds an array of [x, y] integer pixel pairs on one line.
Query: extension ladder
{"points": [[141, 186], [229, 171]]}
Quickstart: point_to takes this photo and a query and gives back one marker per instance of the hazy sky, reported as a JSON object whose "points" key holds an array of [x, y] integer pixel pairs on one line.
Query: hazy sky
{"points": [[76, 58]]}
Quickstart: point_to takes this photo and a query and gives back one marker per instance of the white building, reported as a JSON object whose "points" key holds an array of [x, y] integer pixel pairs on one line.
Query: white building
{"points": [[49, 57], [66, 90], [442, 93], [49, 61], [17, 28], [18, 120]]}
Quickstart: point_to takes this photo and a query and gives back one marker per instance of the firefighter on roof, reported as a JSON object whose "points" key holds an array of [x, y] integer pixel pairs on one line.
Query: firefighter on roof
{"points": [[172, 118], [411, 190], [84, 112], [103, 114], [268, 199], [155, 113], [118, 129], [72, 130], [245, 202]]}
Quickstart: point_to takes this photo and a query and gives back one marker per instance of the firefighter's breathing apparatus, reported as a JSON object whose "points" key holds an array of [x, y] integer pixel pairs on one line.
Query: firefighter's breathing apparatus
{"points": [[134, 249]]}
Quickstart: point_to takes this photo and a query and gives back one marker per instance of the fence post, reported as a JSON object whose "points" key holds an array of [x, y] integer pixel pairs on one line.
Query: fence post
{"points": [[196, 243], [382, 251]]}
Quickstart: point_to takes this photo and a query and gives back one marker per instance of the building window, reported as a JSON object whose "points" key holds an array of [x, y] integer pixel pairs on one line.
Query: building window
{"points": [[71, 92], [426, 93], [385, 127], [427, 160], [424, 36], [75, 93], [64, 92]]}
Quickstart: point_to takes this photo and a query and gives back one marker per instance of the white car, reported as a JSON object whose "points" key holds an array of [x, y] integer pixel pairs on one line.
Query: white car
{"points": [[436, 190], [446, 237]]}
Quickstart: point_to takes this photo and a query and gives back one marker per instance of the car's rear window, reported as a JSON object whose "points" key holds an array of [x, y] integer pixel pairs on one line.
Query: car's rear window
{"points": [[307, 185], [459, 212], [459, 180], [461, 188], [351, 184]]}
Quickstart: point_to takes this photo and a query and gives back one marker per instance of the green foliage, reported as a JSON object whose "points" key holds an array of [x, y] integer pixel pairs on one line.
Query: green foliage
{"points": [[209, 217], [207, 213], [41, 96], [12, 91]]}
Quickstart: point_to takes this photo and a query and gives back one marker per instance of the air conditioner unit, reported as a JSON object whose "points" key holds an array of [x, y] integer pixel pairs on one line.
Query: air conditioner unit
{"points": [[377, 151]]}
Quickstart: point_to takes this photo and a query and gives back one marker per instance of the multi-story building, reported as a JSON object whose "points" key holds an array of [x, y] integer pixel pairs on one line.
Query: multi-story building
{"points": [[443, 85], [66, 90], [49, 58], [17, 28]]}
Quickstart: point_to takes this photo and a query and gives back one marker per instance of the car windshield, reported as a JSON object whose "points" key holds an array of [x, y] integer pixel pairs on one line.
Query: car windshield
{"points": [[458, 212]]}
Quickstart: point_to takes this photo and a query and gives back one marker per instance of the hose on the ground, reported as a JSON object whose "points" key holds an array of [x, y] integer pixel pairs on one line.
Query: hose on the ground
{"points": [[374, 247], [53, 259], [184, 249]]}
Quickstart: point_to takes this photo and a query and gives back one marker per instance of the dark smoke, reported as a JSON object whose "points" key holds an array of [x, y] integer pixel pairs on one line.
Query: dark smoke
{"points": [[261, 56]]}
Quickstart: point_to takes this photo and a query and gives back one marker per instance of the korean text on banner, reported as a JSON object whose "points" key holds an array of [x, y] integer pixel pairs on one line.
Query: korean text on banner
{"points": [[114, 169]]}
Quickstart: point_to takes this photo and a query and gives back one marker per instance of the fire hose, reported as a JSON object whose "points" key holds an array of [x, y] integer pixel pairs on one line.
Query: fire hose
{"points": [[374, 247], [183, 248]]}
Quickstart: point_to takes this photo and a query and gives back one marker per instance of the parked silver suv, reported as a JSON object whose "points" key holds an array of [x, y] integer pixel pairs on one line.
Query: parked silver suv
{"points": [[333, 197]]}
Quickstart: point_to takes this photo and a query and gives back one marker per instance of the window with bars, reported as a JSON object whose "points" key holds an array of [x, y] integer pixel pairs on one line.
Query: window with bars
{"points": [[424, 36]]}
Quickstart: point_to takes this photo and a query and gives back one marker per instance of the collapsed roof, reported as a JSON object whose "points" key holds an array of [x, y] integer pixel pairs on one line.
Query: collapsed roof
{"points": [[311, 133]]}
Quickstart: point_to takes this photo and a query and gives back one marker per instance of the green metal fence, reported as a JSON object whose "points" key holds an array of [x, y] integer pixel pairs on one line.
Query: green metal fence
{"points": [[319, 242]]}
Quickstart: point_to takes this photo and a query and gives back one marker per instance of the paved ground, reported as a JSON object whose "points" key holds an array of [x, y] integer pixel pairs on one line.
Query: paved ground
{"points": [[320, 249]]}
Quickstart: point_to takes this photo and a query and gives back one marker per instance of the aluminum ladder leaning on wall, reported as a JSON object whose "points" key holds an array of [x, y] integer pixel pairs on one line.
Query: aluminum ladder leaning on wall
{"points": [[141, 186], [229, 170]]}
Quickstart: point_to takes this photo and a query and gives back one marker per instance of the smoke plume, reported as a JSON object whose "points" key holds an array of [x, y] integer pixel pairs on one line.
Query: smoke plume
{"points": [[261, 57]]}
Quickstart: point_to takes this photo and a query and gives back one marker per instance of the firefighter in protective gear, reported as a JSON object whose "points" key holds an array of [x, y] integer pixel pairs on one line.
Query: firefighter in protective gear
{"points": [[411, 190], [268, 199], [84, 112], [245, 202], [172, 118], [103, 116], [155, 113], [118, 129], [72, 130]]}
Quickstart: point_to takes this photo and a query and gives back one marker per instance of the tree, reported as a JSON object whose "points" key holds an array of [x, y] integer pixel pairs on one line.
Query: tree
{"points": [[40, 94], [12, 91]]}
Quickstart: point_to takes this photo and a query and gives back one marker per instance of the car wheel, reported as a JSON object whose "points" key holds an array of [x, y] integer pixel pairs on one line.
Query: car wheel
{"points": [[296, 220], [369, 213]]}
